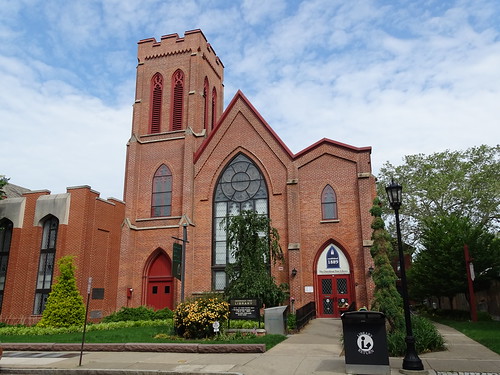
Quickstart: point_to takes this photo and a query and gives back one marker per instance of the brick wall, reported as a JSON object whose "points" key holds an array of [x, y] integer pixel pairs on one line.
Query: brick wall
{"points": [[89, 218]]}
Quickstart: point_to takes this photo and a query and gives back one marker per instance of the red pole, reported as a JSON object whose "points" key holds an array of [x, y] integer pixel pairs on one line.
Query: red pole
{"points": [[472, 296]]}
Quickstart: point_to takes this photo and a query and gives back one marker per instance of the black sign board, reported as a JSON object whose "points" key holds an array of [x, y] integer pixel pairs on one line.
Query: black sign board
{"points": [[177, 261], [245, 309]]}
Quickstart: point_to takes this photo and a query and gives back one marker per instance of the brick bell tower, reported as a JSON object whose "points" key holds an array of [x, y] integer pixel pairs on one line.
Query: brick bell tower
{"points": [[178, 100]]}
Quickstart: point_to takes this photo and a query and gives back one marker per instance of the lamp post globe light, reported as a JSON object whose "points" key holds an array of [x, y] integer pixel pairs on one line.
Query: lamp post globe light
{"points": [[411, 360]]}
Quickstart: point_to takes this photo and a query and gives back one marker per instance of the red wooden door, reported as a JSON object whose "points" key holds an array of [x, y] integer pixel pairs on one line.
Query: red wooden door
{"points": [[160, 283], [160, 294], [334, 295]]}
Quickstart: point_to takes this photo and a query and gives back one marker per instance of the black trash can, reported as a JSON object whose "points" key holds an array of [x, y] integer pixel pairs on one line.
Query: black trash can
{"points": [[365, 343]]}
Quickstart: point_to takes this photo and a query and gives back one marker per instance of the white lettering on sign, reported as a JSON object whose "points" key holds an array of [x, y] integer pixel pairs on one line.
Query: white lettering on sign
{"points": [[365, 343]]}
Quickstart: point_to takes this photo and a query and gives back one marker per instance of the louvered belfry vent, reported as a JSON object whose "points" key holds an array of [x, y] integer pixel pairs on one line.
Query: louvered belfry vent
{"points": [[205, 104], [178, 96], [157, 94]]}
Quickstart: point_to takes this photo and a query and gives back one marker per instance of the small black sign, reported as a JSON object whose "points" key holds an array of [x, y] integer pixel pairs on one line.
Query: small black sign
{"points": [[244, 309]]}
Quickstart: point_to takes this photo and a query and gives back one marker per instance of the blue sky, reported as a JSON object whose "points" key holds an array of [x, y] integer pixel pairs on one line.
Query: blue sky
{"points": [[404, 77]]}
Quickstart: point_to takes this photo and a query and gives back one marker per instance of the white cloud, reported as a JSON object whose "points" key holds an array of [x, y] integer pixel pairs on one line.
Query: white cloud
{"points": [[403, 77], [259, 11], [55, 137]]}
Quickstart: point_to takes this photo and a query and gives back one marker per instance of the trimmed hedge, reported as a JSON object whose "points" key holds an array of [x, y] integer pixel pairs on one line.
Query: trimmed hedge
{"points": [[138, 313], [34, 330]]}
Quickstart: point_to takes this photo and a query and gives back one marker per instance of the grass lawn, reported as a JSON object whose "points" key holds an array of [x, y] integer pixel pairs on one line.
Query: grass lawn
{"points": [[137, 335], [484, 332]]}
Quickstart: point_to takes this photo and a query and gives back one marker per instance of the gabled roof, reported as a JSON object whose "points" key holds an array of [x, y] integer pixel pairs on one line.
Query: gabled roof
{"points": [[240, 96], [14, 191], [331, 142], [237, 97]]}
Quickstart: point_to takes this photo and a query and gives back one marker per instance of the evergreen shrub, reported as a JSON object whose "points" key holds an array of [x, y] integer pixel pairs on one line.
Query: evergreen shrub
{"points": [[65, 305], [138, 313], [164, 314], [427, 338], [244, 324], [292, 322]]}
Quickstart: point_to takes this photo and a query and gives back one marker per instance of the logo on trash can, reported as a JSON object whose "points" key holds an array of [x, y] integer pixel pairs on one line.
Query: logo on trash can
{"points": [[365, 343]]}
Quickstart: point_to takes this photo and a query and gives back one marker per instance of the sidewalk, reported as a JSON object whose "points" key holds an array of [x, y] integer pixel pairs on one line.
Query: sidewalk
{"points": [[315, 350]]}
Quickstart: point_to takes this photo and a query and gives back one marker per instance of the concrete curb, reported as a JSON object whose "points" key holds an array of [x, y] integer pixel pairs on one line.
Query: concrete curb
{"points": [[50, 371], [137, 347]]}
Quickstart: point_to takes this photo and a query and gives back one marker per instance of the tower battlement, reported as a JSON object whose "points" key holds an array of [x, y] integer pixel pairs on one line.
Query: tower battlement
{"points": [[193, 42]]}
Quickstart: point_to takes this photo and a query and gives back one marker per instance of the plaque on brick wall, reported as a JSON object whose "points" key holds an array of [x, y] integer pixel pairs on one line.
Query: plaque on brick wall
{"points": [[97, 293], [96, 314]]}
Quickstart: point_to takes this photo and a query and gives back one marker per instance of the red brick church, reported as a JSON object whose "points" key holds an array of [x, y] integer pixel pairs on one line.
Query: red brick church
{"points": [[190, 163]]}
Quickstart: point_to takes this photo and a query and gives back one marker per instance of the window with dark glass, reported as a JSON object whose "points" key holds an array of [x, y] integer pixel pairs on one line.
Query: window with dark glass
{"points": [[5, 241], [205, 103], [161, 200], [46, 263], [328, 203], [214, 107], [177, 99], [156, 103], [241, 187]]}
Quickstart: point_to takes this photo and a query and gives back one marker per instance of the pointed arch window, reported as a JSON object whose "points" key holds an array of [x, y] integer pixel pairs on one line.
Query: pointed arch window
{"points": [[177, 99], [329, 203], [241, 187], [5, 241], [214, 107], [156, 103], [161, 200], [205, 103], [46, 263]]}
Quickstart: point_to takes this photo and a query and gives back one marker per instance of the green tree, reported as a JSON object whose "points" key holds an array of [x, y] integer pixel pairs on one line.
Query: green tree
{"points": [[439, 268], [65, 305], [386, 297], [3, 181], [254, 244], [464, 183]]}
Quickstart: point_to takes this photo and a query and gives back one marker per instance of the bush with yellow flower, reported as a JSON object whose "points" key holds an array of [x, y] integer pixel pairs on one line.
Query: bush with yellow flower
{"points": [[194, 319]]}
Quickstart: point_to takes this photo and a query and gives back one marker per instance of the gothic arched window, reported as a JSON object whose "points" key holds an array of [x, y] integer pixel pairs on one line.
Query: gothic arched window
{"points": [[5, 241], [46, 263], [241, 187], [161, 199], [328, 203]]}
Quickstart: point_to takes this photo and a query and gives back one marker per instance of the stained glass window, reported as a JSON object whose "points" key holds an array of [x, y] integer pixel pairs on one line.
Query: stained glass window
{"points": [[241, 187]]}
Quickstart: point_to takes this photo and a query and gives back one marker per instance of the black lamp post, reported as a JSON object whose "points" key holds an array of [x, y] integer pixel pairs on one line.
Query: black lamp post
{"points": [[411, 360]]}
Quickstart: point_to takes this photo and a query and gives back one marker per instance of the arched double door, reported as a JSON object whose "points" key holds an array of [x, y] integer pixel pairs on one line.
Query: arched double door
{"points": [[159, 282], [334, 295], [333, 283]]}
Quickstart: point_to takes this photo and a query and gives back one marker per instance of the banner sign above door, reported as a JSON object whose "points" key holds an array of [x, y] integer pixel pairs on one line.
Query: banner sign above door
{"points": [[332, 261]]}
